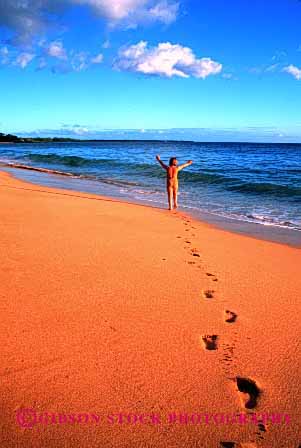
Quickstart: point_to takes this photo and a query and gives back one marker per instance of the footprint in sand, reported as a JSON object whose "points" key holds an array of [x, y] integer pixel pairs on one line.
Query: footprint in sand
{"points": [[210, 341], [249, 390], [208, 294], [237, 445], [214, 279], [262, 428], [230, 316]]}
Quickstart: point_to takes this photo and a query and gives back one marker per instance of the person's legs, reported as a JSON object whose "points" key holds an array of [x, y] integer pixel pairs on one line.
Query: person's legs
{"points": [[175, 197], [169, 193]]}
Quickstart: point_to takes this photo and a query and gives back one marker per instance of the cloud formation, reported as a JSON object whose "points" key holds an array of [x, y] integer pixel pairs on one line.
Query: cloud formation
{"points": [[28, 19], [56, 50], [294, 71], [164, 12], [252, 134], [51, 55], [4, 55], [133, 11], [75, 62], [25, 24], [75, 129], [24, 18], [166, 60], [97, 59], [113, 9], [23, 59]]}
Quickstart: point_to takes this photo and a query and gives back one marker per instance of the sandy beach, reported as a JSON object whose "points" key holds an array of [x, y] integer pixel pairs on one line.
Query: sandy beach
{"points": [[111, 308]]}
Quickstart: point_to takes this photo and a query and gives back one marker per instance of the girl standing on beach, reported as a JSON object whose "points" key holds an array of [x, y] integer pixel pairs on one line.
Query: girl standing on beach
{"points": [[172, 183]]}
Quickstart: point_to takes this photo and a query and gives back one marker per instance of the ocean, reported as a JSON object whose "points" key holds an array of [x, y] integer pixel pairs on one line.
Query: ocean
{"points": [[239, 182]]}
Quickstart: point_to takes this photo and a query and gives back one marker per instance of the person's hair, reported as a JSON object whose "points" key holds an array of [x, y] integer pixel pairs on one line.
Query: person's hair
{"points": [[171, 161]]}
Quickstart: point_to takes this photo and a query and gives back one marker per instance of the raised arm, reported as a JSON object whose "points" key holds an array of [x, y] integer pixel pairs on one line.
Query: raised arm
{"points": [[180, 167], [161, 163]]}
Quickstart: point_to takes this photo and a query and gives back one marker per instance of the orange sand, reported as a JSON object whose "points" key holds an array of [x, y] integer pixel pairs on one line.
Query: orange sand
{"points": [[103, 311]]}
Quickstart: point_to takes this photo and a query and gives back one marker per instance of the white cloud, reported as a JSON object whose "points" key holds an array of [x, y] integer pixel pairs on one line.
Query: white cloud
{"points": [[23, 59], [57, 50], [135, 11], [31, 18], [113, 9], [97, 59], [76, 129], [79, 61], [3, 51], [79, 130], [238, 134], [52, 55], [23, 17], [165, 12], [4, 55], [294, 71], [166, 60]]}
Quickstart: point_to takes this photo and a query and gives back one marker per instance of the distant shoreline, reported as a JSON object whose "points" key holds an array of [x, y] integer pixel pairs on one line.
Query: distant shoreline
{"points": [[56, 140], [15, 139]]}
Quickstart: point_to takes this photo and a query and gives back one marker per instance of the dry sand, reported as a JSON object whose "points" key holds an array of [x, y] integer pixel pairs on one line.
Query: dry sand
{"points": [[108, 308]]}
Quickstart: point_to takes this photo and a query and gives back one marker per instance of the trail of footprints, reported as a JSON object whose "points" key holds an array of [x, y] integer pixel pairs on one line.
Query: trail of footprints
{"points": [[248, 390]]}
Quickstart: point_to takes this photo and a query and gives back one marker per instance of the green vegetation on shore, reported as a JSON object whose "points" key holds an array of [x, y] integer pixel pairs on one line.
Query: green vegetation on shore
{"points": [[9, 138]]}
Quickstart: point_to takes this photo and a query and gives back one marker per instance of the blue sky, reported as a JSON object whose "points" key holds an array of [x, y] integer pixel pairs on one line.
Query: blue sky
{"points": [[187, 69]]}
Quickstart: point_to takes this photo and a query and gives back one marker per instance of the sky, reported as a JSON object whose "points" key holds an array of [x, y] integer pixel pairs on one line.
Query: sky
{"points": [[204, 70]]}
